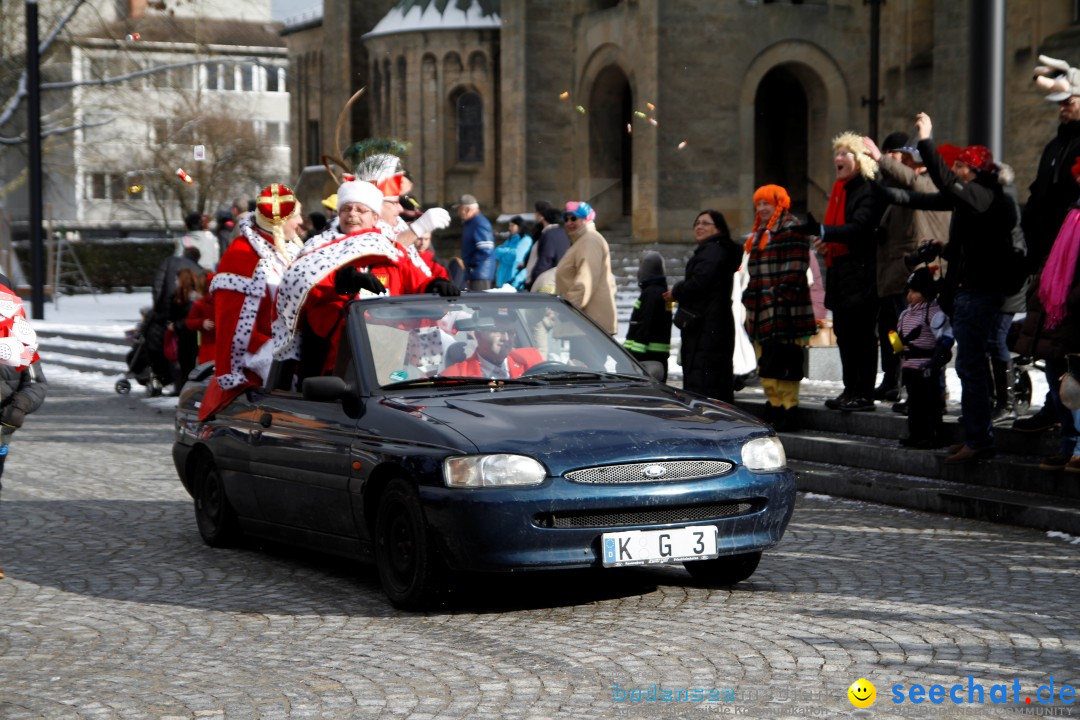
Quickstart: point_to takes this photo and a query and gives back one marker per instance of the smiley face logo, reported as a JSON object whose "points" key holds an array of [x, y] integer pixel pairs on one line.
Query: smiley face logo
{"points": [[862, 693]]}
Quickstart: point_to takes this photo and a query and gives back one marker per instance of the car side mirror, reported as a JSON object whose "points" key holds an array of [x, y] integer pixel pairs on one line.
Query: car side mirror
{"points": [[655, 368], [324, 389]]}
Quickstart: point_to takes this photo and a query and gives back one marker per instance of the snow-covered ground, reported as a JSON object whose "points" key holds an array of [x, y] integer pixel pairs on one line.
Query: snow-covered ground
{"points": [[104, 314]]}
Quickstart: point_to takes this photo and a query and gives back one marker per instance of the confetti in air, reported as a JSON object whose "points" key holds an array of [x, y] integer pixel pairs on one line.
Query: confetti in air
{"points": [[650, 106], [681, 145], [184, 176], [638, 113], [564, 95], [629, 128], [580, 109], [652, 121], [133, 189]]}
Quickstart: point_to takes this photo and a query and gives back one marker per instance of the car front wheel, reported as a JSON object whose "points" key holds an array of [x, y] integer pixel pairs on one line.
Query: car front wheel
{"points": [[726, 570], [213, 512], [408, 569]]}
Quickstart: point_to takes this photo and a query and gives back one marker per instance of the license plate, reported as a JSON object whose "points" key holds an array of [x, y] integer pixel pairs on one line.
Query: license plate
{"points": [[655, 547]]}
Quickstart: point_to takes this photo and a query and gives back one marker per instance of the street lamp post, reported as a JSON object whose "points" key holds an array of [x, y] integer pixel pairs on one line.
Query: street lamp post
{"points": [[33, 133]]}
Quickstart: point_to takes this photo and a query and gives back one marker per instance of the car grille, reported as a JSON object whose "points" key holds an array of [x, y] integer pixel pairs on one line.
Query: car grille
{"points": [[672, 470], [648, 516]]}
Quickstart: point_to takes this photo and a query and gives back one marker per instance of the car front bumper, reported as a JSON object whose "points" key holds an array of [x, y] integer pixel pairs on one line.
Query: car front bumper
{"points": [[559, 524]]}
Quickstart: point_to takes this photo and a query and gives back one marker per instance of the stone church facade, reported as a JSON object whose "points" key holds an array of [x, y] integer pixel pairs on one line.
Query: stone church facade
{"points": [[651, 110]]}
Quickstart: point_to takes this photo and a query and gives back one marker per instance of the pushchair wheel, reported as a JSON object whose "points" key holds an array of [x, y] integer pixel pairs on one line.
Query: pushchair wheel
{"points": [[1022, 391], [123, 386]]}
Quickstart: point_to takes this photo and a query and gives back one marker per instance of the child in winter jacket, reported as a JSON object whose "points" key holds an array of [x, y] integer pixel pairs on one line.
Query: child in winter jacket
{"points": [[927, 340], [649, 336]]}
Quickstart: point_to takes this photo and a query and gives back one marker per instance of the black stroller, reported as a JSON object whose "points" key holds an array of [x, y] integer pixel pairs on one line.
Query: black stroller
{"points": [[146, 360]]}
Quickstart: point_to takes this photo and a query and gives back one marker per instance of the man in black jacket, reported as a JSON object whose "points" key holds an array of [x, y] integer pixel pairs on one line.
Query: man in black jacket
{"points": [[980, 266]]}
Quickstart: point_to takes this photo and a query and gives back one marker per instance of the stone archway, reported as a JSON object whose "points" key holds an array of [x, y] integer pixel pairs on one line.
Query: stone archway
{"points": [[610, 147], [827, 114], [781, 134]]}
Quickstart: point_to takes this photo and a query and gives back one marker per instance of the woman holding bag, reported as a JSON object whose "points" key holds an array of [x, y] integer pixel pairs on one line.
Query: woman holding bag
{"points": [[779, 314], [704, 315]]}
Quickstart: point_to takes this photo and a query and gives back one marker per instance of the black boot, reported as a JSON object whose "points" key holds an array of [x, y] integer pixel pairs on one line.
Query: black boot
{"points": [[772, 414], [789, 420], [1002, 372]]}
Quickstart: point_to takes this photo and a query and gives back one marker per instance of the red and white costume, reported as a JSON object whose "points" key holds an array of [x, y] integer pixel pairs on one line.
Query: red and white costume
{"points": [[244, 289], [18, 341], [307, 295], [516, 363]]}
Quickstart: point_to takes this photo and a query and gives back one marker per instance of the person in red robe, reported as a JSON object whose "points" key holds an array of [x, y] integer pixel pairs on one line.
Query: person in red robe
{"points": [[495, 355], [244, 288], [330, 272]]}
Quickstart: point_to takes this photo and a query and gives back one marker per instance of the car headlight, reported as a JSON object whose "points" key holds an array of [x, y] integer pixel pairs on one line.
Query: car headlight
{"points": [[764, 453], [492, 471]]}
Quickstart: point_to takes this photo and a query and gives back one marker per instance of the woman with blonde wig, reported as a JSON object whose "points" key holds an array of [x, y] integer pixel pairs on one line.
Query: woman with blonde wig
{"points": [[849, 242]]}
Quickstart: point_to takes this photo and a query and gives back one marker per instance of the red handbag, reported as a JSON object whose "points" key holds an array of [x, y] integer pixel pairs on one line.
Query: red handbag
{"points": [[172, 348]]}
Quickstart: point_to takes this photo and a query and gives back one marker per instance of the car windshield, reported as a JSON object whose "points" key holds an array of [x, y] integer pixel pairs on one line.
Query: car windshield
{"points": [[528, 338]]}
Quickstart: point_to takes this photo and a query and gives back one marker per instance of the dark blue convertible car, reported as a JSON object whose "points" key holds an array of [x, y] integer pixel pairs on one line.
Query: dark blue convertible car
{"points": [[489, 432]]}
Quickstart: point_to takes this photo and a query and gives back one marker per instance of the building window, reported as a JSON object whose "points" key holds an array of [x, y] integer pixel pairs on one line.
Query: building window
{"points": [[313, 154], [470, 128], [247, 78], [116, 187], [212, 73]]}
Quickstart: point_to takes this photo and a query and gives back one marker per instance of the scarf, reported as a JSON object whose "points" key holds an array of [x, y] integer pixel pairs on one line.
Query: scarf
{"points": [[1058, 273], [834, 215]]}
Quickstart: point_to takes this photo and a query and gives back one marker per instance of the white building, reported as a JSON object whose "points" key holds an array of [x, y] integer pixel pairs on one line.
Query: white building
{"points": [[224, 98]]}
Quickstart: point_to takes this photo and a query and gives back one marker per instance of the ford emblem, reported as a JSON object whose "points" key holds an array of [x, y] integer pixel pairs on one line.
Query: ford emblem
{"points": [[654, 472]]}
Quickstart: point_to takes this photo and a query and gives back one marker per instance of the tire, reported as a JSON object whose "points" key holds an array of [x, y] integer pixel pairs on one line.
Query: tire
{"points": [[726, 570], [123, 387], [408, 569], [214, 515]]}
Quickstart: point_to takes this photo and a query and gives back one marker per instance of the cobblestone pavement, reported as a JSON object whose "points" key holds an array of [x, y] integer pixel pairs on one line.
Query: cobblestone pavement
{"points": [[113, 608]]}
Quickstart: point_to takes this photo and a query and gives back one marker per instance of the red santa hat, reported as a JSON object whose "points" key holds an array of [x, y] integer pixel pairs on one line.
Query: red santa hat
{"points": [[360, 191]]}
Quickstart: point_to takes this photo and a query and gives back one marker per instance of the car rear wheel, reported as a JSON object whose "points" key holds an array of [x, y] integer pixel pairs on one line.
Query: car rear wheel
{"points": [[408, 569], [213, 512], [726, 570]]}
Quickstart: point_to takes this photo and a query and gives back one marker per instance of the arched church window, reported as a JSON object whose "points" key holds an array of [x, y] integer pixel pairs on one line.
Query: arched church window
{"points": [[470, 128]]}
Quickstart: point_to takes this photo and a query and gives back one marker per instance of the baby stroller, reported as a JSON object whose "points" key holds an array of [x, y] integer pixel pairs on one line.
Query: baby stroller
{"points": [[145, 363]]}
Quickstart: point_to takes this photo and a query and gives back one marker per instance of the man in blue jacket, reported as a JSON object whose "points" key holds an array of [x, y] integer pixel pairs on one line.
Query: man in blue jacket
{"points": [[477, 245]]}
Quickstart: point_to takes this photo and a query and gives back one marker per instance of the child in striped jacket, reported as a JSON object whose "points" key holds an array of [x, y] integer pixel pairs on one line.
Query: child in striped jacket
{"points": [[927, 340]]}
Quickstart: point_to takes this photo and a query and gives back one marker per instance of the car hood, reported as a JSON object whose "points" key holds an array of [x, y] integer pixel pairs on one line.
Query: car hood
{"points": [[579, 426]]}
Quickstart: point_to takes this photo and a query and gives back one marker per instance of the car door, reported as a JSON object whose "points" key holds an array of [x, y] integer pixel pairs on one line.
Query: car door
{"points": [[301, 458]]}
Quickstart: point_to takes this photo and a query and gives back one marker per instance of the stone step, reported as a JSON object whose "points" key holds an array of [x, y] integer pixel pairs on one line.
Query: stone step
{"points": [[886, 425], [83, 352], [960, 499]]}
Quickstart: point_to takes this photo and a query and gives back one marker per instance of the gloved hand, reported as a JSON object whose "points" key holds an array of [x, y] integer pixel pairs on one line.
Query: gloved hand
{"points": [[433, 219], [442, 286], [810, 227], [349, 281], [12, 419], [942, 354]]}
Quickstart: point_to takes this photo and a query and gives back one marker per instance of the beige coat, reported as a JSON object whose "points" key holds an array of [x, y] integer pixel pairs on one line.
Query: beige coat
{"points": [[905, 228], [584, 277]]}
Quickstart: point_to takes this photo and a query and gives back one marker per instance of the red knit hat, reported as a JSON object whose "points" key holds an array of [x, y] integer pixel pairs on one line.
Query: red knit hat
{"points": [[1076, 169], [977, 157], [948, 153]]}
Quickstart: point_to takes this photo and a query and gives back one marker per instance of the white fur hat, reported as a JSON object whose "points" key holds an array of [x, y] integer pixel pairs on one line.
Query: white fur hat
{"points": [[360, 191]]}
